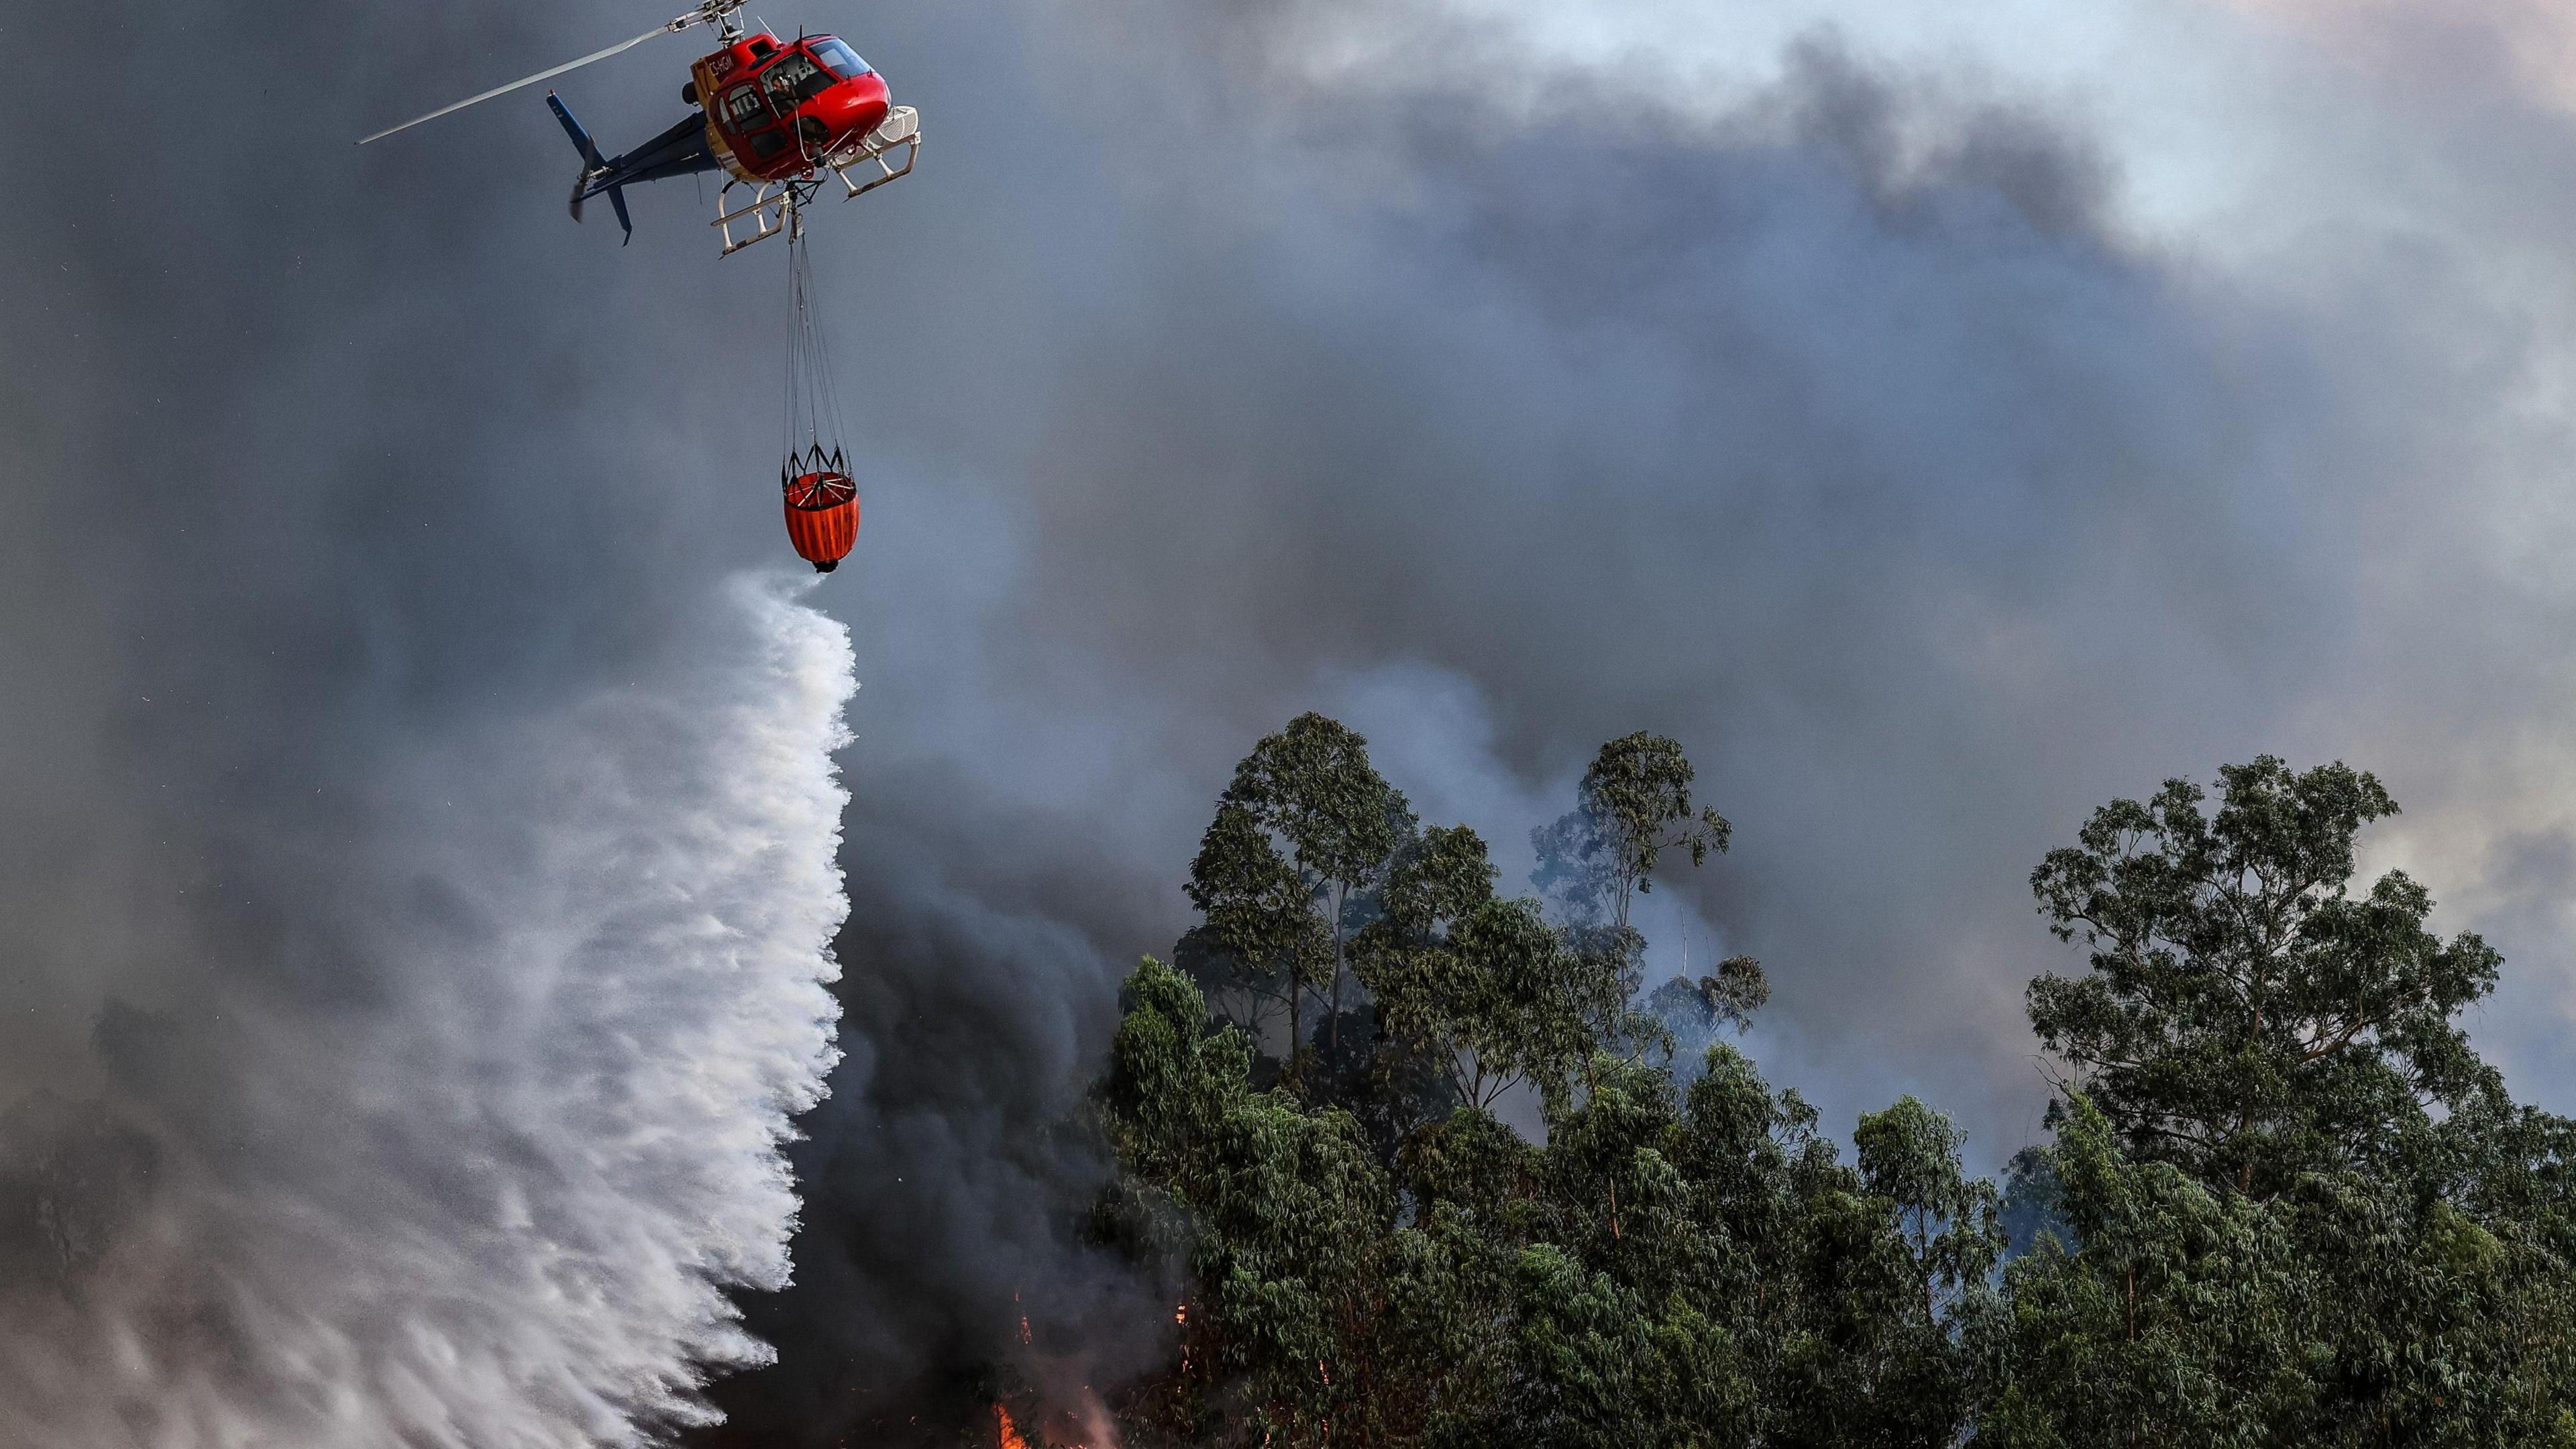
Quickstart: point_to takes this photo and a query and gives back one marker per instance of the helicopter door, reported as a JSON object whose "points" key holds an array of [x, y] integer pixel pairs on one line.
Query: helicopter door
{"points": [[751, 126]]}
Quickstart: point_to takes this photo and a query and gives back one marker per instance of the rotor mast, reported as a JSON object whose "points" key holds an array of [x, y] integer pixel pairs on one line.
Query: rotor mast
{"points": [[724, 15]]}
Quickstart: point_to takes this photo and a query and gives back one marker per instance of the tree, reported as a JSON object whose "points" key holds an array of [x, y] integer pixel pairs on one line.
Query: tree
{"points": [[1635, 805], [2293, 1187], [1281, 1214], [2034, 1202], [1663, 1266], [2246, 1017], [2178, 1322], [1311, 786], [1950, 1225], [1485, 987], [1694, 1012], [2285, 1204], [1259, 916]]}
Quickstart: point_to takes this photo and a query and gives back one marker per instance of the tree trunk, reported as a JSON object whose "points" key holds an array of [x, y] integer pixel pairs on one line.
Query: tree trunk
{"points": [[1333, 1023], [1296, 1023]]}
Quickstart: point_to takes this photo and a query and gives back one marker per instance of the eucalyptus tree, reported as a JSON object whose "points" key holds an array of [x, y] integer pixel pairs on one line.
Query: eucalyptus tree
{"points": [[1258, 914], [1696, 1011], [2247, 1016], [1664, 1265], [1635, 804], [2180, 1320], [2285, 1204], [2303, 1209], [1311, 789], [1639, 790], [1484, 987], [1278, 1213]]}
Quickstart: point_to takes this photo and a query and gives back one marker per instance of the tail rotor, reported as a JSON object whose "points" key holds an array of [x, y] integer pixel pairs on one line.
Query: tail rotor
{"points": [[585, 185]]}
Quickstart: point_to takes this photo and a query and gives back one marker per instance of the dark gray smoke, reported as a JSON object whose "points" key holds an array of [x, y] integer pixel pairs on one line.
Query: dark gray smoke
{"points": [[417, 835], [1855, 430]]}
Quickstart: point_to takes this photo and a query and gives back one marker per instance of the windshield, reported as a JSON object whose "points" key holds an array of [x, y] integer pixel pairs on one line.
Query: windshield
{"points": [[794, 78], [844, 61]]}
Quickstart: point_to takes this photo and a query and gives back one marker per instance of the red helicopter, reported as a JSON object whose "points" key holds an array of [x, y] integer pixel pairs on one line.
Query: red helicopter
{"points": [[778, 117]]}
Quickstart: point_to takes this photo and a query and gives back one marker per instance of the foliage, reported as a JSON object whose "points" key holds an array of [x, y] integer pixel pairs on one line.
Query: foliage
{"points": [[2307, 1212], [1306, 824], [1483, 987], [1372, 1263], [2175, 1323], [1286, 1207], [2284, 1203], [1635, 805], [2245, 1016], [1259, 911], [1695, 1012]]}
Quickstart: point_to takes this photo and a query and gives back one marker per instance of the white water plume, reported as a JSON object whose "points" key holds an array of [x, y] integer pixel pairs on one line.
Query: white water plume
{"points": [[483, 1189]]}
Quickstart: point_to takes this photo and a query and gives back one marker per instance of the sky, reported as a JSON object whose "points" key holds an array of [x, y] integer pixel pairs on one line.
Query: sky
{"points": [[478, 920]]}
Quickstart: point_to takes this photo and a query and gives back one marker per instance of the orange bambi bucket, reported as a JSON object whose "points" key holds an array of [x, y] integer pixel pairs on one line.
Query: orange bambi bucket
{"points": [[822, 517]]}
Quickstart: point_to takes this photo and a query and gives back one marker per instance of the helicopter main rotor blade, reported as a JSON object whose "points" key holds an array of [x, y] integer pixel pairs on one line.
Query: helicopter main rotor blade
{"points": [[619, 48]]}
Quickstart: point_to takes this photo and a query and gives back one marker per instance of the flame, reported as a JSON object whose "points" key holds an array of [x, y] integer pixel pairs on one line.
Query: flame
{"points": [[1062, 1416]]}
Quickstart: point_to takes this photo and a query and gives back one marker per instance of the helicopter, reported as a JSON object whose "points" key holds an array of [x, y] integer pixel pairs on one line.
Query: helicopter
{"points": [[775, 116]]}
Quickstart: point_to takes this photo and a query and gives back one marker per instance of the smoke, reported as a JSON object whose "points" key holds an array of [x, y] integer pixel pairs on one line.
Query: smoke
{"points": [[1937, 448], [414, 847]]}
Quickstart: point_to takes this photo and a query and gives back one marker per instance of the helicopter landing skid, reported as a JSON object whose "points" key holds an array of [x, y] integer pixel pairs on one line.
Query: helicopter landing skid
{"points": [[774, 204]]}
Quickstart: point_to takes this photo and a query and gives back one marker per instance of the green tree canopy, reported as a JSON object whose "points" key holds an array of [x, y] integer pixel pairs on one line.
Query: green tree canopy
{"points": [[1635, 804], [2284, 1204], [2246, 1016], [2301, 1209], [1305, 806]]}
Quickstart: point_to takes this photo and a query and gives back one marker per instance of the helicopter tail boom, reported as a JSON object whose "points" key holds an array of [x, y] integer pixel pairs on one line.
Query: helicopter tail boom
{"points": [[680, 151], [594, 171]]}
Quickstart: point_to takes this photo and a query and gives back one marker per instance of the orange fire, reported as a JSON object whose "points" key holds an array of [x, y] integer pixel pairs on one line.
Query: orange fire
{"points": [[1010, 1432]]}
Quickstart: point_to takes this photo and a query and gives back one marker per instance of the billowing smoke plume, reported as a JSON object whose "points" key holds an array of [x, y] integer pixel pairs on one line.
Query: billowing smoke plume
{"points": [[1939, 430], [1937, 448]]}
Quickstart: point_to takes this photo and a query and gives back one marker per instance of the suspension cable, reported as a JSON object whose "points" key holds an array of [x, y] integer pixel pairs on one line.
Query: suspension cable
{"points": [[813, 423]]}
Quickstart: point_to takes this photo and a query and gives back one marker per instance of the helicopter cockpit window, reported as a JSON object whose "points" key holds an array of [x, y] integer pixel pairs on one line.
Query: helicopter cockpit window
{"points": [[794, 78], [743, 110], [843, 61]]}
